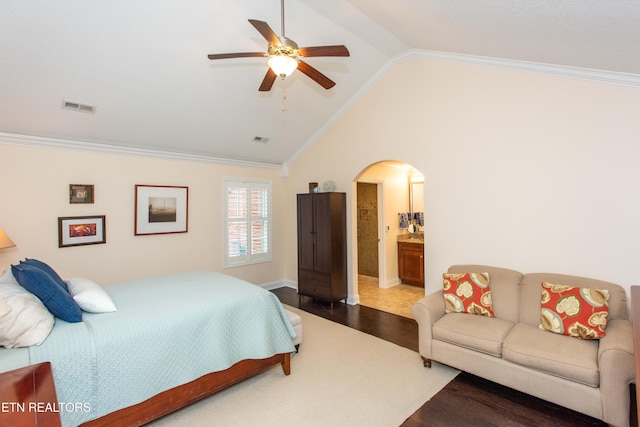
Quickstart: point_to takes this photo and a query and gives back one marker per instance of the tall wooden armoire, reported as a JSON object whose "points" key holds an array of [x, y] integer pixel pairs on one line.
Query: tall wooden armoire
{"points": [[322, 246]]}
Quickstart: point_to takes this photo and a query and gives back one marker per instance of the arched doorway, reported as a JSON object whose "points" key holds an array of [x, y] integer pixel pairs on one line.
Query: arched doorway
{"points": [[385, 196]]}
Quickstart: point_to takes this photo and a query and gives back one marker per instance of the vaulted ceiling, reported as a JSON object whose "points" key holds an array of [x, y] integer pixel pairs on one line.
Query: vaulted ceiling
{"points": [[143, 64]]}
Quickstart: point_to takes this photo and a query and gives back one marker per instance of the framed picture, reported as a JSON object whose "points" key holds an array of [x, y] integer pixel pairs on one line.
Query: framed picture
{"points": [[161, 209], [80, 193], [81, 230]]}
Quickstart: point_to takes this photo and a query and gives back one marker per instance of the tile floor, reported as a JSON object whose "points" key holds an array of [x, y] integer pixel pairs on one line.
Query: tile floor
{"points": [[397, 299]]}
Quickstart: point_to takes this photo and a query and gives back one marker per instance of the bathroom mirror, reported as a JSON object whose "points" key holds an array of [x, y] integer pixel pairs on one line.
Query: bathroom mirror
{"points": [[416, 193]]}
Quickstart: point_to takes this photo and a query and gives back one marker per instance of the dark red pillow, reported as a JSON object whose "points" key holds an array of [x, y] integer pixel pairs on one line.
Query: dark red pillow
{"points": [[576, 312], [467, 293]]}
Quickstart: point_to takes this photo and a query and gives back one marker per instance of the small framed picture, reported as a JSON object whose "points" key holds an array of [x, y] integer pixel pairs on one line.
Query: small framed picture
{"points": [[161, 209], [81, 230], [80, 193]]}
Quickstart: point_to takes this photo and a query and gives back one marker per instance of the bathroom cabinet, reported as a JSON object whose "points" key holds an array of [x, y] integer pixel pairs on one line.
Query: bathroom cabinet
{"points": [[411, 262], [322, 246]]}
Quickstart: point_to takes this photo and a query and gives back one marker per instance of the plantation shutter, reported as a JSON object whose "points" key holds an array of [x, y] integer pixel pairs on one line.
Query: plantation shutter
{"points": [[248, 222]]}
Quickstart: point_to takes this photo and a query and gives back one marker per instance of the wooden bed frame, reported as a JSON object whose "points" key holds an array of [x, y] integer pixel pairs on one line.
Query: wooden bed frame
{"points": [[178, 397]]}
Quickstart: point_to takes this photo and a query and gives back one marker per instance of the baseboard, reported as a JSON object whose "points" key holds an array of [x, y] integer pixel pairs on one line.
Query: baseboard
{"points": [[390, 283], [352, 300], [280, 284]]}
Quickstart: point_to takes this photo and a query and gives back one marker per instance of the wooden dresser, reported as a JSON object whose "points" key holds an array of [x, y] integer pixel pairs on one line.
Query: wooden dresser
{"points": [[322, 246], [28, 397]]}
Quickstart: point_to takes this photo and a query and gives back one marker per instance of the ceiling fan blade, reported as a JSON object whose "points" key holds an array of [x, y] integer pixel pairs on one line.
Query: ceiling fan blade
{"points": [[268, 81], [266, 31], [315, 75], [338, 50], [235, 55]]}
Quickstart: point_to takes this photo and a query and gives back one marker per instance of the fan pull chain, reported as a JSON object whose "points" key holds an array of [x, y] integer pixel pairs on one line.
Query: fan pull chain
{"points": [[284, 100]]}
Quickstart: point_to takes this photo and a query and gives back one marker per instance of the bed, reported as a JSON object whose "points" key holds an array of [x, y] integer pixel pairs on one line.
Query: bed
{"points": [[173, 340]]}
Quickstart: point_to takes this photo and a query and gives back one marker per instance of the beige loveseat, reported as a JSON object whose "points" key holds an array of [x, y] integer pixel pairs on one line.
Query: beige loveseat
{"points": [[588, 376]]}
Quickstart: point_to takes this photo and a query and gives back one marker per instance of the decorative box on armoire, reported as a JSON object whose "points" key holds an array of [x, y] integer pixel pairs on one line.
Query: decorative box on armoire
{"points": [[322, 246]]}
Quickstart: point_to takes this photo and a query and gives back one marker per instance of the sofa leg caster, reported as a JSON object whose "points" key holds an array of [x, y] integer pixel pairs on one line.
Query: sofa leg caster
{"points": [[426, 362]]}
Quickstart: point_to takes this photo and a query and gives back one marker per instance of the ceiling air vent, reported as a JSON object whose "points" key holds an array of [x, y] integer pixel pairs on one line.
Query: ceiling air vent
{"points": [[75, 106], [260, 139]]}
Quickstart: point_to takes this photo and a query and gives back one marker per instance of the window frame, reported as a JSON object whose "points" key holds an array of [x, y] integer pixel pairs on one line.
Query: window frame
{"points": [[248, 258]]}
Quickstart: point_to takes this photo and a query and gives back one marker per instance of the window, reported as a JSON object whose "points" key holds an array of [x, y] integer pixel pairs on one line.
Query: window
{"points": [[247, 216]]}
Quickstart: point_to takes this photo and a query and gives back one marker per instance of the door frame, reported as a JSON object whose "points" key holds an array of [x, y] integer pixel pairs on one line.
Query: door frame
{"points": [[382, 235]]}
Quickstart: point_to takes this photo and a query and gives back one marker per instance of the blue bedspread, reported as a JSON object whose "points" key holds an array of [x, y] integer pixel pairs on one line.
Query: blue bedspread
{"points": [[167, 331]]}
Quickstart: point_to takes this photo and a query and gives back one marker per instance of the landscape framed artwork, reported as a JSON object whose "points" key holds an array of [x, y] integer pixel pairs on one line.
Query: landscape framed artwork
{"points": [[81, 230], [81, 193], [161, 209]]}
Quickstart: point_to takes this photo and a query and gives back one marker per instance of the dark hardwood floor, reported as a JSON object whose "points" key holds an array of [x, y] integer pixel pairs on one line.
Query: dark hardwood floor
{"points": [[390, 327], [467, 400]]}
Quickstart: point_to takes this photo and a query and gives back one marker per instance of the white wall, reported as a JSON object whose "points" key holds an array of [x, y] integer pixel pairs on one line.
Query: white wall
{"points": [[34, 188], [522, 170]]}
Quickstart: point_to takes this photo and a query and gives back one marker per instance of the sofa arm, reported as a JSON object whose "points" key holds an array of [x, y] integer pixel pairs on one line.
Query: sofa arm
{"points": [[426, 311], [617, 369]]}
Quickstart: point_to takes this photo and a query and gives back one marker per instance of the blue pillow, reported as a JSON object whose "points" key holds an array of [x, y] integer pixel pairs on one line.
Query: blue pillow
{"points": [[57, 300], [47, 269]]}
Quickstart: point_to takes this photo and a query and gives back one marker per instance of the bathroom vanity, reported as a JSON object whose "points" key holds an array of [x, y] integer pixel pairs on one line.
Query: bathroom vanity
{"points": [[411, 261]]}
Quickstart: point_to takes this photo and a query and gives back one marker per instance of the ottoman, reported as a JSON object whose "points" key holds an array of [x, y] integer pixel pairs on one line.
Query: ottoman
{"points": [[296, 322]]}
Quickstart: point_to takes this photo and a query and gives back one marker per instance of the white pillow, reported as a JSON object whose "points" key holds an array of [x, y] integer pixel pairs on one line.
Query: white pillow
{"points": [[90, 296], [27, 321], [5, 309], [7, 277]]}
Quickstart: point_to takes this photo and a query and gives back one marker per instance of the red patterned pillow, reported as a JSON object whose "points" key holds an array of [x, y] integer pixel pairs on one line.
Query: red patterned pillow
{"points": [[467, 293], [576, 312]]}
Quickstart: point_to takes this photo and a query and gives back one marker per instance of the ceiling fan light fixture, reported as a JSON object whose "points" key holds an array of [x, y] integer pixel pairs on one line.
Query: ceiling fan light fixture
{"points": [[282, 65]]}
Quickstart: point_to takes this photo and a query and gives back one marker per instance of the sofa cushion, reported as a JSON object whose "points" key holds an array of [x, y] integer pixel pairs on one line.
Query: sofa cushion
{"points": [[530, 296], [575, 312], [467, 293], [559, 355], [480, 333], [505, 289]]}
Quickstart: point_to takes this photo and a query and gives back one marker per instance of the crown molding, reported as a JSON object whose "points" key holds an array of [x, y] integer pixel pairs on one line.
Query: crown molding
{"points": [[602, 76], [609, 77], [45, 142]]}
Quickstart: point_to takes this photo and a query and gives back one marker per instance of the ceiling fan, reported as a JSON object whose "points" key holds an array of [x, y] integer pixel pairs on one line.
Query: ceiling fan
{"points": [[285, 56]]}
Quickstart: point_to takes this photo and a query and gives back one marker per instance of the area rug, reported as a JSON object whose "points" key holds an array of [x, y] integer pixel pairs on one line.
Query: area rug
{"points": [[340, 377]]}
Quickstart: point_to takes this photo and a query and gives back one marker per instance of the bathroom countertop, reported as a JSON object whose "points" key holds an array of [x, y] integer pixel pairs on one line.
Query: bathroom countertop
{"points": [[408, 239]]}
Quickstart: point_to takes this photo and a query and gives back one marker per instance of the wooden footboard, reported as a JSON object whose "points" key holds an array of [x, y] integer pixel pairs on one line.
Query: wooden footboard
{"points": [[178, 397]]}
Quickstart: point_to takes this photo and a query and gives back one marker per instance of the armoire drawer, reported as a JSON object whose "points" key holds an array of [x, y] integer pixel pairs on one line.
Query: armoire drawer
{"points": [[314, 283]]}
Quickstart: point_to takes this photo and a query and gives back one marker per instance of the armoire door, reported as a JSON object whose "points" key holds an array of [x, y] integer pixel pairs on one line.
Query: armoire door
{"points": [[305, 232], [322, 217]]}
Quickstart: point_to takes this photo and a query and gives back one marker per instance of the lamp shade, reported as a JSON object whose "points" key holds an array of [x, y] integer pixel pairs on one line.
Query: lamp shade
{"points": [[5, 241], [282, 65]]}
